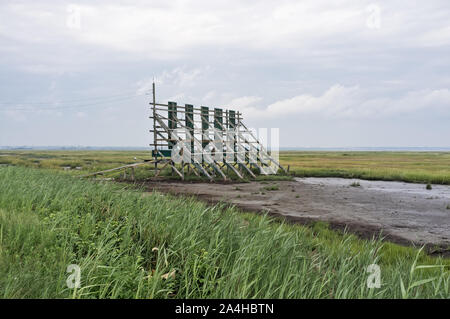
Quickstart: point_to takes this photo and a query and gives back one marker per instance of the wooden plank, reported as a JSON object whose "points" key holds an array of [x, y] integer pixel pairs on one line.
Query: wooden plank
{"points": [[189, 119], [205, 124], [201, 169], [234, 170], [172, 112], [177, 171], [262, 148], [161, 169], [115, 169], [247, 169], [213, 164]]}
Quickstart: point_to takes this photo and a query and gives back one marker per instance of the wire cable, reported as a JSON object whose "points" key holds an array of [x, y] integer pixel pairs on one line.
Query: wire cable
{"points": [[87, 99], [67, 107]]}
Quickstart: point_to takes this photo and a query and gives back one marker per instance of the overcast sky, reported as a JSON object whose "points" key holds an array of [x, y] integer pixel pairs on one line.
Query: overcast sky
{"points": [[327, 73]]}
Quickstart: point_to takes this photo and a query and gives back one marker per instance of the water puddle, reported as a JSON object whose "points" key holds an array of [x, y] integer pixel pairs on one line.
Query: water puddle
{"points": [[439, 191]]}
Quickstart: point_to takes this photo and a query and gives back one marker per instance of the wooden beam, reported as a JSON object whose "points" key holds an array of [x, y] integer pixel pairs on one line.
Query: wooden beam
{"points": [[116, 169]]}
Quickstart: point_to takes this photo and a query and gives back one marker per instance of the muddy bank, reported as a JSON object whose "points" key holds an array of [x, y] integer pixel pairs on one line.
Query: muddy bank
{"points": [[404, 213]]}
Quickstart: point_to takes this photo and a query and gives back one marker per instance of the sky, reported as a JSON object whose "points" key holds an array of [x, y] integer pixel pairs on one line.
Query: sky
{"points": [[326, 73]]}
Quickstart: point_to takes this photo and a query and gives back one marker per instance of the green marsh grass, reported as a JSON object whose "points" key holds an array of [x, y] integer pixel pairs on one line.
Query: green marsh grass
{"points": [[133, 244], [269, 188], [417, 167]]}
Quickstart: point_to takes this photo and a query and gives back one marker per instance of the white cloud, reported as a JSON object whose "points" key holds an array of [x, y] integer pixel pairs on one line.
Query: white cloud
{"points": [[178, 77], [176, 97], [244, 101], [42, 69], [230, 53], [436, 37], [15, 115], [209, 96], [172, 29], [181, 76], [353, 102], [144, 86]]}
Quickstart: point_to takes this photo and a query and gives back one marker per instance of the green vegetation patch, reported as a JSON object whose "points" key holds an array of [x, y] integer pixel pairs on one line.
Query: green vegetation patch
{"points": [[415, 167], [274, 187], [133, 244]]}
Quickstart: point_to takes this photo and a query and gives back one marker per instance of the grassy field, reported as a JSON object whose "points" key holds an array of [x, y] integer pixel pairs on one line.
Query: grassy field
{"points": [[87, 161], [419, 167], [133, 244]]}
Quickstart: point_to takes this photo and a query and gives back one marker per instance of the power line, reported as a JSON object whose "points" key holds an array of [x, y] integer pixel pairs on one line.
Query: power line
{"points": [[67, 107], [87, 99]]}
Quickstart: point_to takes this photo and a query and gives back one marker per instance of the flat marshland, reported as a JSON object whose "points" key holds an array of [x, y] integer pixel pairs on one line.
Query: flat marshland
{"points": [[415, 167], [131, 243]]}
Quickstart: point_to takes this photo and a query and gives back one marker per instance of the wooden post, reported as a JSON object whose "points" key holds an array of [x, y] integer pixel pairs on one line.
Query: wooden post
{"points": [[155, 136], [205, 124], [172, 114]]}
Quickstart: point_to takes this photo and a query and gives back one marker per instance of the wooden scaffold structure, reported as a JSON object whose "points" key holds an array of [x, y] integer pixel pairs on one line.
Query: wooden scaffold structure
{"points": [[243, 154]]}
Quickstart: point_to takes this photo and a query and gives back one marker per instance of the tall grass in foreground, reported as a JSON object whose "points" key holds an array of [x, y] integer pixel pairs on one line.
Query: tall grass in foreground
{"points": [[132, 244]]}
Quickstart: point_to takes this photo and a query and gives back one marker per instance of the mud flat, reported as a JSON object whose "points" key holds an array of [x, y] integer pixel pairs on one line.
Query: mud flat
{"points": [[403, 212]]}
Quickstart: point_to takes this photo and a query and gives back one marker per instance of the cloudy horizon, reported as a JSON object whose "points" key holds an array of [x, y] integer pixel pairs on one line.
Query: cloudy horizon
{"points": [[328, 74]]}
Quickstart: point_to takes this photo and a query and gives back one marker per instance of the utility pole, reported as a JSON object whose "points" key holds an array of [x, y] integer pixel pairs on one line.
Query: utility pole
{"points": [[155, 141]]}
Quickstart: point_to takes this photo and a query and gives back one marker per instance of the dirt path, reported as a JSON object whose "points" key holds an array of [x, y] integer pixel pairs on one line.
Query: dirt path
{"points": [[405, 213]]}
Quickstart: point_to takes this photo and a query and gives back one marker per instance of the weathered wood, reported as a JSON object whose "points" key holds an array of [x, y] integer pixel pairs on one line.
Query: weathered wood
{"points": [[116, 169], [161, 169], [177, 171], [234, 170], [167, 121]]}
